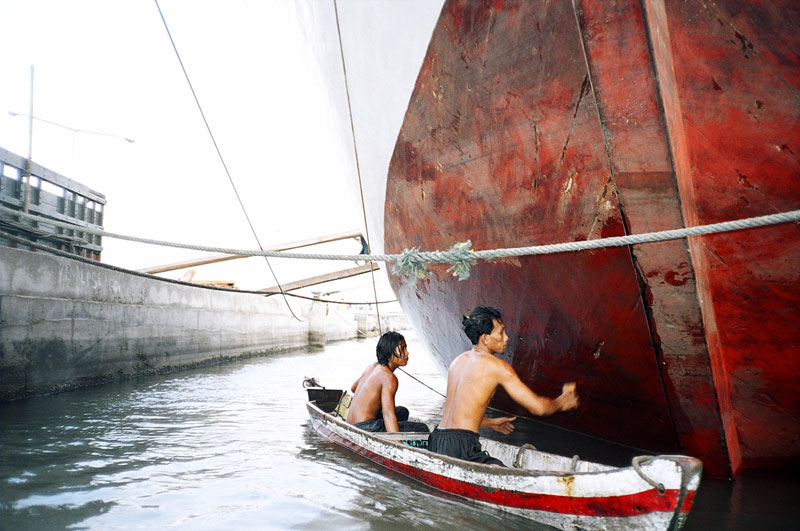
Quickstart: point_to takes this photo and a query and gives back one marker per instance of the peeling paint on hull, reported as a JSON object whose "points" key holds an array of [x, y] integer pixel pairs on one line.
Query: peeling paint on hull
{"points": [[591, 497], [536, 123]]}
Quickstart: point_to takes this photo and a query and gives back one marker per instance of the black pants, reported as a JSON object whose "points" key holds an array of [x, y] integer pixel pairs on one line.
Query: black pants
{"points": [[462, 444], [402, 421]]}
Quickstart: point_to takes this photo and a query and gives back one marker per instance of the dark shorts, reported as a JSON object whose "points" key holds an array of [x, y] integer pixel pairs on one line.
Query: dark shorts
{"points": [[402, 422], [462, 444]]}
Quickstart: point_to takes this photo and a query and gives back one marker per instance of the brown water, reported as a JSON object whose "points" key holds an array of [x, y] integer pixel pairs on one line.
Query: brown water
{"points": [[230, 447]]}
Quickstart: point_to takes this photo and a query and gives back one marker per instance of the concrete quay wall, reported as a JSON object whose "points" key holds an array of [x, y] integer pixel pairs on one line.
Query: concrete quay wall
{"points": [[66, 324]]}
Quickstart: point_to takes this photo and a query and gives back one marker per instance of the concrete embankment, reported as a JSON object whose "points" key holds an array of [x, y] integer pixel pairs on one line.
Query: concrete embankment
{"points": [[66, 324]]}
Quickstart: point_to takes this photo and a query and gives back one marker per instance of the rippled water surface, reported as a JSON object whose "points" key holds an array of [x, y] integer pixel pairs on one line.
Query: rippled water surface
{"points": [[231, 447]]}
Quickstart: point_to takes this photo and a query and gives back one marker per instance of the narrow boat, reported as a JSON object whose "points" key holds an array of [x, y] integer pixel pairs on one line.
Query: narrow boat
{"points": [[655, 492]]}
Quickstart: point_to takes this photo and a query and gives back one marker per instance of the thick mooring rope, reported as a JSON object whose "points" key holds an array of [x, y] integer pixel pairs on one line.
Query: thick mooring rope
{"points": [[72, 256], [411, 262]]}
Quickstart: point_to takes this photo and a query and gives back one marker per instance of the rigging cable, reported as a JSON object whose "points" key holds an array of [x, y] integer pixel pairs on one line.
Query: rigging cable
{"points": [[358, 166], [225, 166], [420, 381], [360, 186]]}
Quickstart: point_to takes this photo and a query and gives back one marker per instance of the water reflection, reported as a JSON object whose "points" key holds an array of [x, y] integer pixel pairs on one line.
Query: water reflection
{"points": [[231, 447], [393, 501]]}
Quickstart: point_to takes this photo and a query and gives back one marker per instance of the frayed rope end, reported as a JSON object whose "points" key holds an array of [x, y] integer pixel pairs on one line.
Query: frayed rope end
{"points": [[410, 264], [462, 259]]}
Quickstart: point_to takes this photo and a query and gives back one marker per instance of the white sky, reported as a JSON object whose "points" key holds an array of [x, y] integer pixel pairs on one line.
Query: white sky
{"points": [[109, 67]]}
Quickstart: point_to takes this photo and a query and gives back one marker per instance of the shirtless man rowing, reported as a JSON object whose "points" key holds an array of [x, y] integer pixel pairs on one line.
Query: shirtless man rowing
{"points": [[473, 378]]}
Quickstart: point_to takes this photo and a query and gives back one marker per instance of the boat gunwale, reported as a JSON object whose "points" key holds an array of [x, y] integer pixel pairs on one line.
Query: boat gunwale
{"points": [[486, 469], [631, 507]]}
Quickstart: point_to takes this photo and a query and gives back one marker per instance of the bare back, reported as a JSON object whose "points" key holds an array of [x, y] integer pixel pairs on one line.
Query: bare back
{"points": [[472, 380], [374, 394]]}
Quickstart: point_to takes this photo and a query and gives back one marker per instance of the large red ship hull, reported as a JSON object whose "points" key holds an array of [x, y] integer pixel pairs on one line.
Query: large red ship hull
{"points": [[546, 122]]}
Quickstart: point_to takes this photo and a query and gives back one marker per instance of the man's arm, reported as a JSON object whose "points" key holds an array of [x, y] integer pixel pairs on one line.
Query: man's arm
{"points": [[536, 404], [499, 424], [388, 390]]}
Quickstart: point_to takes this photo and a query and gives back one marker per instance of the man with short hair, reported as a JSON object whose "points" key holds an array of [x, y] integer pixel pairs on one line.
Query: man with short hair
{"points": [[372, 407], [473, 378]]}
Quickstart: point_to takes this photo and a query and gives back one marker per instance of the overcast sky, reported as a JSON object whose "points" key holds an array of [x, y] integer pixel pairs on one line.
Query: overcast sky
{"points": [[109, 67]]}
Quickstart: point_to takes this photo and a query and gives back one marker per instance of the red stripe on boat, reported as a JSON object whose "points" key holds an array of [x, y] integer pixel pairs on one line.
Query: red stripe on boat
{"points": [[618, 506]]}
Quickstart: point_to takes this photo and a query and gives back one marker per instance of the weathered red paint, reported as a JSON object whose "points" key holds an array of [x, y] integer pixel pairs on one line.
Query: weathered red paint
{"points": [[537, 123]]}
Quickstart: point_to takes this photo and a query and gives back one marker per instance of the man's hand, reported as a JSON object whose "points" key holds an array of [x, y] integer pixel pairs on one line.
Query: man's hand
{"points": [[569, 398], [499, 424]]}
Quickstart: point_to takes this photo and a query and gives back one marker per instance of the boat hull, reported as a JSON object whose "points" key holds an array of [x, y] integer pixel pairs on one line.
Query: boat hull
{"points": [[534, 124], [604, 498]]}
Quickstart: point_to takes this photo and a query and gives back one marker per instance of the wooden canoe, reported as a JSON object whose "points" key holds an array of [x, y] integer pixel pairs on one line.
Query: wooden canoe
{"points": [[655, 492]]}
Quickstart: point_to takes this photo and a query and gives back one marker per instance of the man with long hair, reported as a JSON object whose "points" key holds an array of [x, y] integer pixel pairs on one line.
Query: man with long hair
{"points": [[372, 407]]}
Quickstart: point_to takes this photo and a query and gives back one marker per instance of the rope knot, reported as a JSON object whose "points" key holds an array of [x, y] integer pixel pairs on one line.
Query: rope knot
{"points": [[410, 264], [462, 257]]}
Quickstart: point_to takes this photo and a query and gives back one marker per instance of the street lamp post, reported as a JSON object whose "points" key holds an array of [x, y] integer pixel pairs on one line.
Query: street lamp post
{"points": [[74, 130], [29, 163]]}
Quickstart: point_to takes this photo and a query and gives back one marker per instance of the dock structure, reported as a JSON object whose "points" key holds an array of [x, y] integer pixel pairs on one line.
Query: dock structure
{"points": [[31, 188], [67, 320]]}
